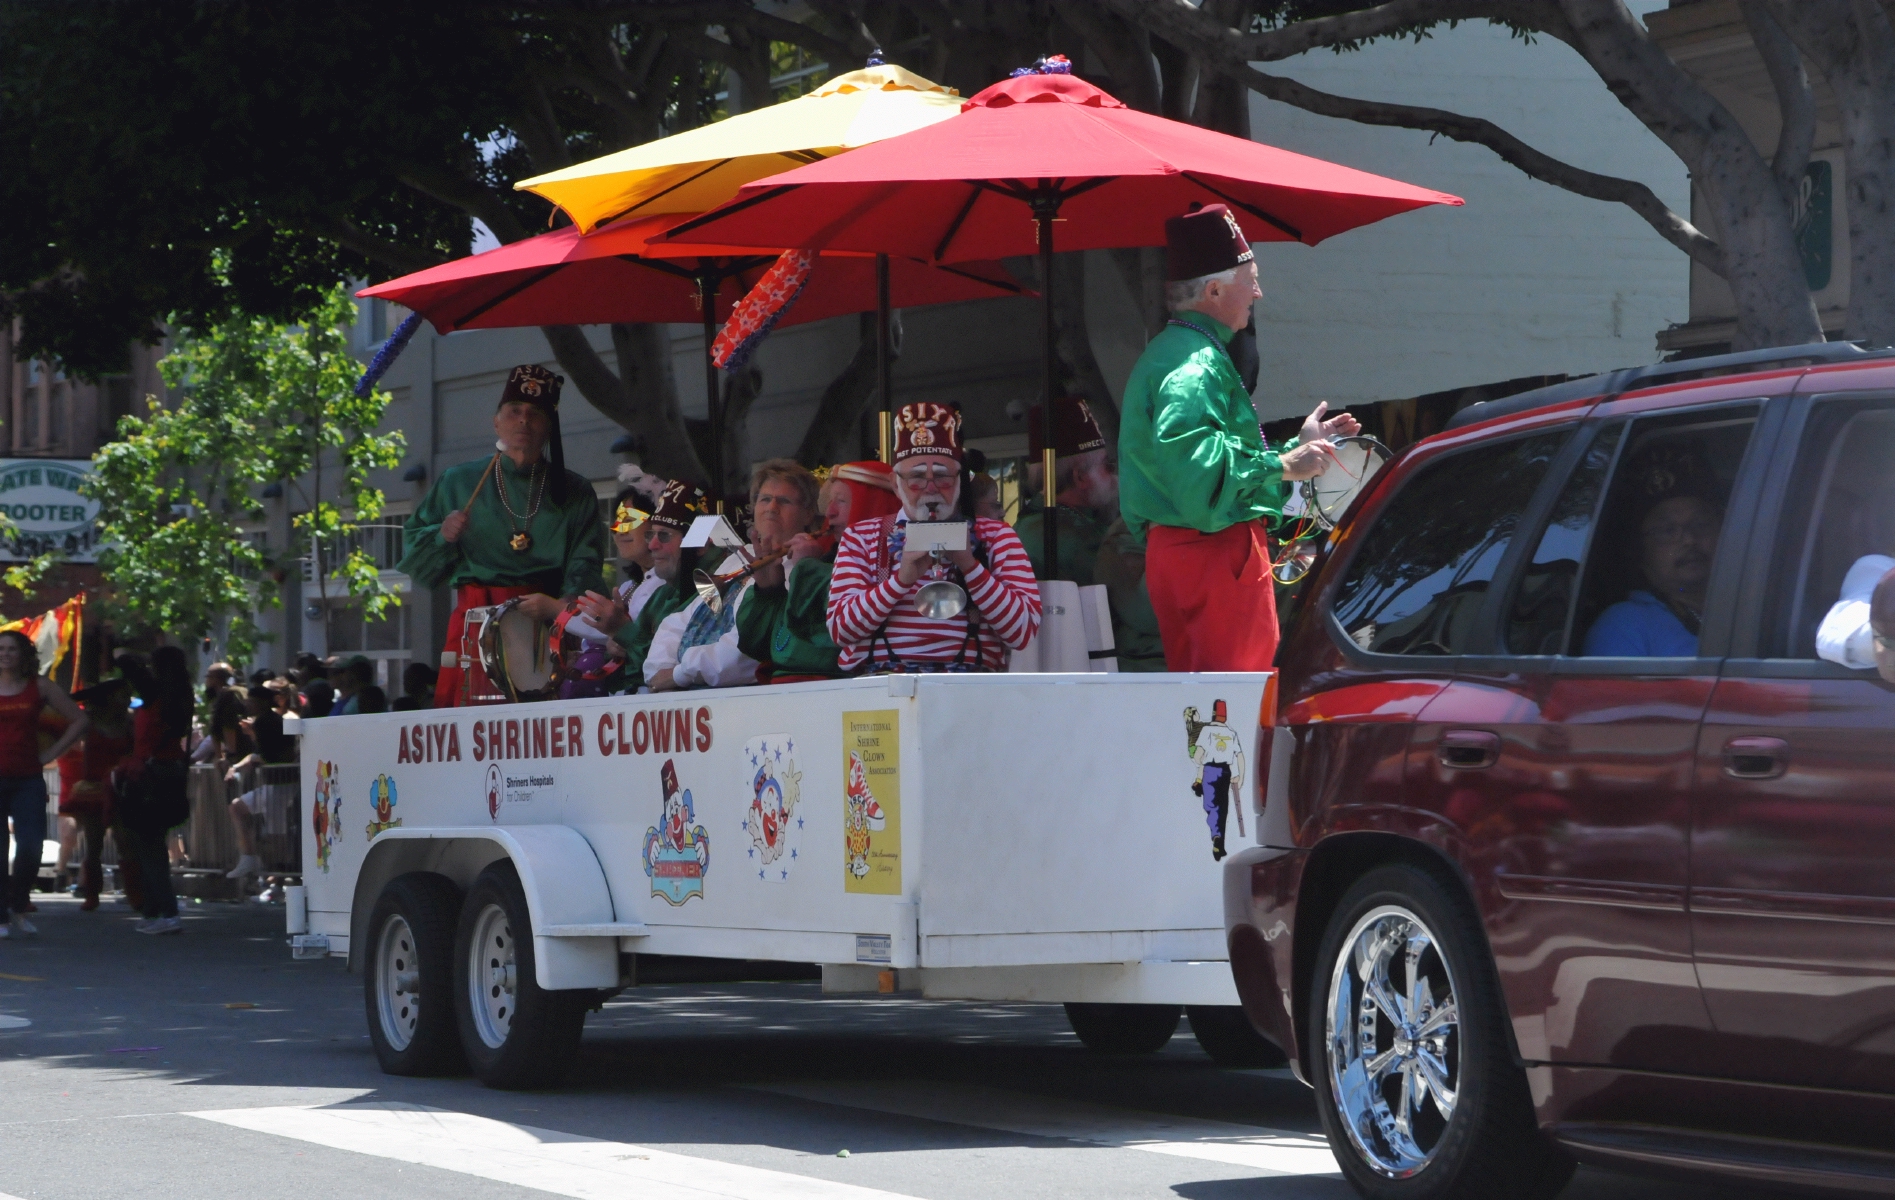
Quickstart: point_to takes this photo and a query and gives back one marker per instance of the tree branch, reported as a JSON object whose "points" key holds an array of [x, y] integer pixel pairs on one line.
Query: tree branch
{"points": [[468, 196], [1181, 22], [1795, 102], [827, 438], [350, 236]]}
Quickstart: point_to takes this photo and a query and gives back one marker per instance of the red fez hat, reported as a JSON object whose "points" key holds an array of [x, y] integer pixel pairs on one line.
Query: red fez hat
{"points": [[927, 429], [681, 504], [532, 384], [668, 776], [1075, 431], [1204, 241]]}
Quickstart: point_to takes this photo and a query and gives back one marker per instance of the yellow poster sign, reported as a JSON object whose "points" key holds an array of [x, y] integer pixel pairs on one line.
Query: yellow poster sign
{"points": [[871, 802]]}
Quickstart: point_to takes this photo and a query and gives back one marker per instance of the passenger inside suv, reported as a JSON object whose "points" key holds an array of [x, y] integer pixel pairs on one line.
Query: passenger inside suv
{"points": [[1677, 538]]}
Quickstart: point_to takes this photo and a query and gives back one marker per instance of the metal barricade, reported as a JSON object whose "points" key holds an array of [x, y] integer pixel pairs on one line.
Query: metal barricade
{"points": [[277, 802]]}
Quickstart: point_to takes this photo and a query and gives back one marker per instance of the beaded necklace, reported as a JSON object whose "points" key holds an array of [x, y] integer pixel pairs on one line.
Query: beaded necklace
{"points": [[522, 541]]}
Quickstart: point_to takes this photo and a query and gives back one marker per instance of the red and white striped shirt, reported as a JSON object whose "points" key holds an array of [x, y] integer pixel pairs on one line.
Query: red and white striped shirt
{"points": [[864, 594]]}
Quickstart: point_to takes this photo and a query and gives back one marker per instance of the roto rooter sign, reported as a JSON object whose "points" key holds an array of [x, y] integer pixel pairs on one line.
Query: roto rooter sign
{"points": [[40, 497]]}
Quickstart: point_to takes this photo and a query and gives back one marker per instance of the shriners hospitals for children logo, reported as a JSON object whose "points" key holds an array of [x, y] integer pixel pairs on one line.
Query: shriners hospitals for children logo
{"points": [[678, 852], [493, 791]]}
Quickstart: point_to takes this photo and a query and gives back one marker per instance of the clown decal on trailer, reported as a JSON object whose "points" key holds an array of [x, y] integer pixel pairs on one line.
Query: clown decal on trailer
{"points": [[381, 795], [1217, 768], [325, 814], [772, 822], [677, 852]]}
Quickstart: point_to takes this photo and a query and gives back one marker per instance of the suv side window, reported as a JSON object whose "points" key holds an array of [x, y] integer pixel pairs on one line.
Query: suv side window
{"points": [[1647, 571], [1837, 534], [1539, 621], [1417, 581]]}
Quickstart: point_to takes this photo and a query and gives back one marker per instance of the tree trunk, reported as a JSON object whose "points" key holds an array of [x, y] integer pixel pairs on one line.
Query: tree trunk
{"points": [[831, 432], [642, 396], [1853, 45], [741, 390]]}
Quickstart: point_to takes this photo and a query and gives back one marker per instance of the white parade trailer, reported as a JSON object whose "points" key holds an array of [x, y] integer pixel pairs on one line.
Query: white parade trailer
{"points": [[495, 872]]}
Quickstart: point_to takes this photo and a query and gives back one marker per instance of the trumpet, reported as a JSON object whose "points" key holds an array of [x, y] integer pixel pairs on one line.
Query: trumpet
{"points": [[940, 599], [710, 586]]}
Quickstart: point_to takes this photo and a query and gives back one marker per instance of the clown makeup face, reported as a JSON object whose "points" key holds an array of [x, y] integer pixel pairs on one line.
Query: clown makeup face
{"points": [[665, 544], [836, 502], [929, 486]]}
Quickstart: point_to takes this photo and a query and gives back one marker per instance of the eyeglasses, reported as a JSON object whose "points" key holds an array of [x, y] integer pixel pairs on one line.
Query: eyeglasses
{"points": [[929, 478], [1672, 532]]}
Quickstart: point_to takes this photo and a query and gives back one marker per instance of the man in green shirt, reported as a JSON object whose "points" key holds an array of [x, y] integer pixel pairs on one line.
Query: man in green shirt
{"points": [[517, 525], [679, 505], [1196, 477]]}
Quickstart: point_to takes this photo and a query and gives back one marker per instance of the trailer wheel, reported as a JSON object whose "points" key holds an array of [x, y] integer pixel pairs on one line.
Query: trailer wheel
{"points": [[1227, 1035], [408, 987], [516, 1034], [1124, 1028]]}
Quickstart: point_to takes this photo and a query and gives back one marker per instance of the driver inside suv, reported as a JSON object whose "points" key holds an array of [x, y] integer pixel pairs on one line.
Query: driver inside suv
{"points": [[1677, 537]]}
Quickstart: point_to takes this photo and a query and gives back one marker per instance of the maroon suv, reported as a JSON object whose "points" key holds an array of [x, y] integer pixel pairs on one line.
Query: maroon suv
{"points": [[1572, 846]]}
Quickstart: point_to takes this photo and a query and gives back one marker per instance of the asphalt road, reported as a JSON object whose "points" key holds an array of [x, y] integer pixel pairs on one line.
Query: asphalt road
{"points": [[212, 1064]]}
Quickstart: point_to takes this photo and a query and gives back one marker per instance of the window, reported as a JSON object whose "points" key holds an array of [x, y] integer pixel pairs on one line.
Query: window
{"points": [[1417, 581], [1539, 619], [1646, 576], [1845, 515]]}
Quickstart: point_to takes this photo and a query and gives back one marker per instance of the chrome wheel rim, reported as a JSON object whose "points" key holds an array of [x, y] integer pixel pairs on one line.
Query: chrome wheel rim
{"points": [[397, 982], [490, 975], [1394, 1041]]}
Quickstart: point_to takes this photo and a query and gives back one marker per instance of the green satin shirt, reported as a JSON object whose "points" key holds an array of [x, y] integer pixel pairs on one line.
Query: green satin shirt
{"points": [[1191, 454], [568, 551]]}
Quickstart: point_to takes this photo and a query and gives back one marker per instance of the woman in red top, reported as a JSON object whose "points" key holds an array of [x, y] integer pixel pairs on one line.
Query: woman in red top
{"points": [[151, 780], [85, 776], [23, 766]]}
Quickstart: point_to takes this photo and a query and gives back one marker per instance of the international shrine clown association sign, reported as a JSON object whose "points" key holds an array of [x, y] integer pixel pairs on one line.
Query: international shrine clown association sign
{"points": [[41, 500]]}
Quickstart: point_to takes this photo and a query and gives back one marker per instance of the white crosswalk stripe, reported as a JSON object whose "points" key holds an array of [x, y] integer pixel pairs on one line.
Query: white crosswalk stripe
{"points": [[1272, 1150], [562, 1164]]}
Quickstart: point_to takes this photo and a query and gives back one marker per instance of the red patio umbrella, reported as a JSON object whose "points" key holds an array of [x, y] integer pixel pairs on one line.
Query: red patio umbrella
{"points": [[1041, 149], [618, 275]]}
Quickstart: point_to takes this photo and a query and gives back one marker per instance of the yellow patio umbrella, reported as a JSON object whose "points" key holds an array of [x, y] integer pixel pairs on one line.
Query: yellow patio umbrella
{"points": [[698, 170]]}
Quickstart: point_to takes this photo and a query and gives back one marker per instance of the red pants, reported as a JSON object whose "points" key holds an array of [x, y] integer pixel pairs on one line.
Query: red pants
{"points": [[449, 689], [1215, 599]]}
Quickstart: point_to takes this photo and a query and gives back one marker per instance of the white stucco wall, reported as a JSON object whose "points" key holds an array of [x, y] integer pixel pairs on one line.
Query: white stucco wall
{"points": [[1526, 279]]}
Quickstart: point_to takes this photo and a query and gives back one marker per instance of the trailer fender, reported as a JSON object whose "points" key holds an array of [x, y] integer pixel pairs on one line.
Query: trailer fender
{"points": [[575, 930]]}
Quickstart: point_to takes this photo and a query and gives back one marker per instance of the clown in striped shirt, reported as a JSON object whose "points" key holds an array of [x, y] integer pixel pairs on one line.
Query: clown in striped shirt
{"points": [[872, 615]]}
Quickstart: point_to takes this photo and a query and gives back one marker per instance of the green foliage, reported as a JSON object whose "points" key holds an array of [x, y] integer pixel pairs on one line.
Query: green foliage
{"points": [[261, 403]]}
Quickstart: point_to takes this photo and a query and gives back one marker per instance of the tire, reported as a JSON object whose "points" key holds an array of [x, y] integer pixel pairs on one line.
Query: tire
{"points": [[408, 985], [1486, 1145], [1227, 1035], [1124, 1028], [515, 1033]]}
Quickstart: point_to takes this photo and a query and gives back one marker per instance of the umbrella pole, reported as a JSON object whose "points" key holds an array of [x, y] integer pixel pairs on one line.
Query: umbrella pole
{"points": [[1049, 525], [882, 381], [707, 300]]}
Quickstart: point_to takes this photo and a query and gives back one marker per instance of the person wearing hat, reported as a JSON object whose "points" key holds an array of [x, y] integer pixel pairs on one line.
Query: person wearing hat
{"points": [[1086, 490], [1196, 477], [858, 491], [630, 528], [515, 525], [872, 614], [678, 505]]}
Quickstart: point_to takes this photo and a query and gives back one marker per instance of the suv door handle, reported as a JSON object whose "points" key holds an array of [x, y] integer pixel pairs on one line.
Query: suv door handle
{"points": [[1756, 757], [1468, 749]]}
